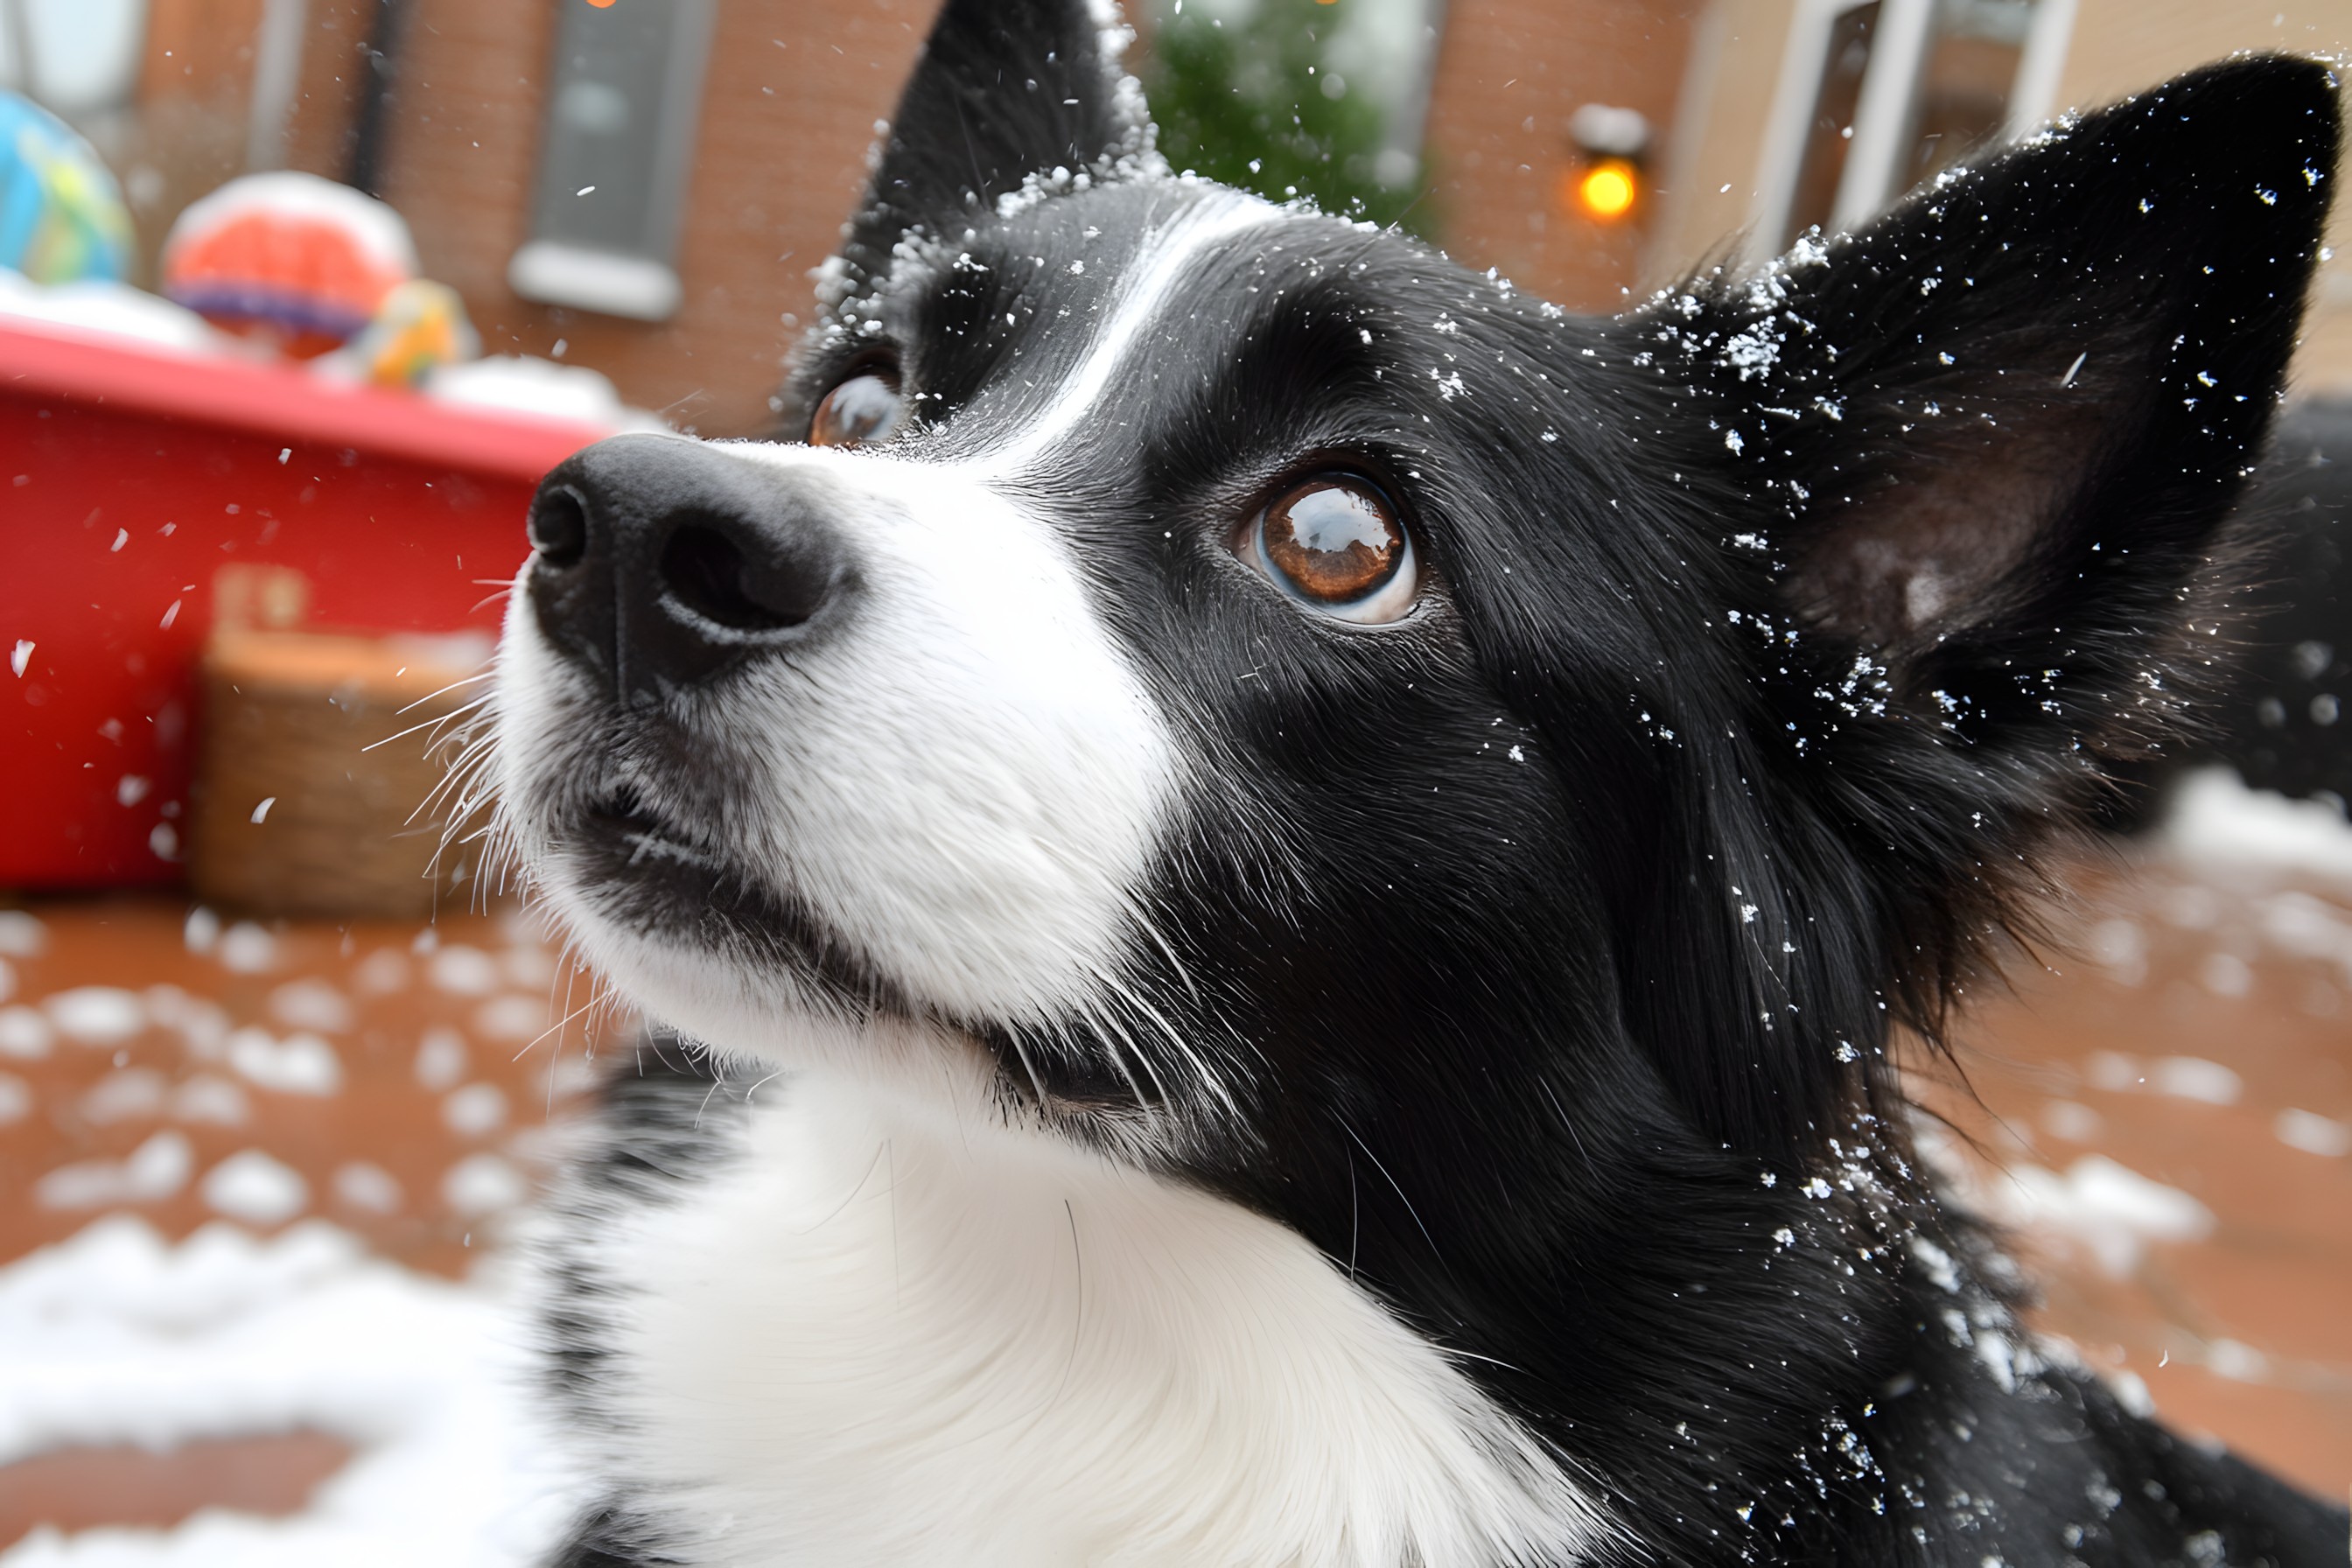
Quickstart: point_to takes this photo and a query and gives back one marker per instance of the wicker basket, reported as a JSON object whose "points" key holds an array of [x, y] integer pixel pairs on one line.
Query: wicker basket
{"points": [[307, 796]]}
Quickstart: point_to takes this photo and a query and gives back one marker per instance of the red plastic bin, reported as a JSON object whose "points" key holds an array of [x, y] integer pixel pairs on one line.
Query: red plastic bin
{"points": [[129, 475]]}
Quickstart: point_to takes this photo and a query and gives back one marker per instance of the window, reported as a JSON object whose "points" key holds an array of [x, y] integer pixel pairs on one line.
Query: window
{"points": [[1877, 95], [75, 56], [624, 100], [1966, 84], [1830, 132]]}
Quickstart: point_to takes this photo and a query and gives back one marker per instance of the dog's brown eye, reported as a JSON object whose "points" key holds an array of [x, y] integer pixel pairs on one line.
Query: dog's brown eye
{"points": [[1335, 544], [863, 411]]}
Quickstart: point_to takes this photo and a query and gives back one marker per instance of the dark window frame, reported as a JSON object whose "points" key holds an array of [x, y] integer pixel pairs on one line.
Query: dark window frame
{"points": [[631, 141]]}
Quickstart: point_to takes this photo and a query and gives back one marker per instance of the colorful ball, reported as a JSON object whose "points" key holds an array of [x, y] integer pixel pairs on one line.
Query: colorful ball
{"points": [[292, 258], [61, 215], [422, 327]]}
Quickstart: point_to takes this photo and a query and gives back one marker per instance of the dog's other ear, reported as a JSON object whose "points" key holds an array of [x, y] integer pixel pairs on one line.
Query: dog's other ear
{"points": [[2006, 422], [1997, 438], [1004, 89]]}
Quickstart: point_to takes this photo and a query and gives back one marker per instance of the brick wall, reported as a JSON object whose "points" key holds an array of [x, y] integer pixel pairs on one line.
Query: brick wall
{"points": [[790, 99], [1509, 73], [789, 104]]}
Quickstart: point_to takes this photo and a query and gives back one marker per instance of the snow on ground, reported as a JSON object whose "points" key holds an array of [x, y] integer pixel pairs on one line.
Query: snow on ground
{"points": [[2105, 1208], [2214, 822], [116, 1337]]}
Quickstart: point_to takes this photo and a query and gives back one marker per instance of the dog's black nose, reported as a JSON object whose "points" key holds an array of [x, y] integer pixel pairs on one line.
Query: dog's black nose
{"points": [[658, 562]]}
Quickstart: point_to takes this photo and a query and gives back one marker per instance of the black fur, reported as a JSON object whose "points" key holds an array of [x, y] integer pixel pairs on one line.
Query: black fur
{"points": [[2274, 709], [1004, 91], [663, 1126], [2288, 723], [1552, 940]]}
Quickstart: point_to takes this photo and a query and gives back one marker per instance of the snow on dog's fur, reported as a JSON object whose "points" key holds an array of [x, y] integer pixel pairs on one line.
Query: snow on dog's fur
{"points": [[1275, 879]]}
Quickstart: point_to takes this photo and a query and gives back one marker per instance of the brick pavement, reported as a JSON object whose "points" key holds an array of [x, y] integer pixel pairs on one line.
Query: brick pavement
{"points": [[2164, 1121]]}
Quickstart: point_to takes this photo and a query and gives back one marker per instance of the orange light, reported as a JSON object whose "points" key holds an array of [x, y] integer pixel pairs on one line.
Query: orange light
{"points": [[1606, 191], [599, 5]]}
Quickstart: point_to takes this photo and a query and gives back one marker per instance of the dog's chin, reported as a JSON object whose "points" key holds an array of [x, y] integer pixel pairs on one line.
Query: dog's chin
{"points": [[763, 1015], [640, 874], [700, 946]]}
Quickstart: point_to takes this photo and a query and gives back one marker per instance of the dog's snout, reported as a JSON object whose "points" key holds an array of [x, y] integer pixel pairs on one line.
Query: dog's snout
{"points": [[658, 562]]}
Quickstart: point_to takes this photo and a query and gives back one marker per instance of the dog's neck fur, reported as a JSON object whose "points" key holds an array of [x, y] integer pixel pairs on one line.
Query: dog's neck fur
{"points": [[815, 1321], [922, 1333]]}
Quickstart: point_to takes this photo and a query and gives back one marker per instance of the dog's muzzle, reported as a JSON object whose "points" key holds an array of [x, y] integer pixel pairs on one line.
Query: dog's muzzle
{"points": [[659, 563]]}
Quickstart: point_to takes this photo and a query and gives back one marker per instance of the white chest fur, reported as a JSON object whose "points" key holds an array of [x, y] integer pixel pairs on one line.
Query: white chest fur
{"points": [[892, 1335]]}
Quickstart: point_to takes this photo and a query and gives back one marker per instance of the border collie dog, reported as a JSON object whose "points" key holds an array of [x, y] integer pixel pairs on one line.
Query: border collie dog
{"points": [[1276, 879]]}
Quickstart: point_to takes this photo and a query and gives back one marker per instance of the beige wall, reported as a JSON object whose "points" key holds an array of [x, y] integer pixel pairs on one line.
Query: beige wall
{"points": [[1709, 183], [2119, 47], [2122, 45]]}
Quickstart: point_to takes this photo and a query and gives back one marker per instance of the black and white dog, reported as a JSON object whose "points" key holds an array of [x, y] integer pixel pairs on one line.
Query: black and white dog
{"points": [[1280, 876]]}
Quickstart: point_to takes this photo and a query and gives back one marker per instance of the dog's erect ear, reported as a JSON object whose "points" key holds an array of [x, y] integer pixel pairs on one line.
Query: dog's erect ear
{"points": [[1997, 437], [1005, 89], [2006, 423]]}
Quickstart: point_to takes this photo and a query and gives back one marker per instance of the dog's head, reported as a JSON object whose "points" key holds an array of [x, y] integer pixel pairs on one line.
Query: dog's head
{"points": [[1231, 676]]}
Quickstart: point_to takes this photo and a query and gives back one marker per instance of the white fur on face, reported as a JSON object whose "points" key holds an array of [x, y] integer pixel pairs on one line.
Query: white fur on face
{"points": [[964, 779], [898, 1332], [969, 783]]}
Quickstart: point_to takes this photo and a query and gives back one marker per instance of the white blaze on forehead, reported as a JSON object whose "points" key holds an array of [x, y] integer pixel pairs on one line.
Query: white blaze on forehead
{"points": [[1163, 261]]}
